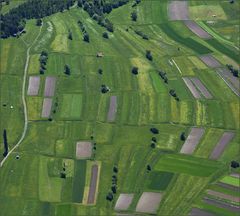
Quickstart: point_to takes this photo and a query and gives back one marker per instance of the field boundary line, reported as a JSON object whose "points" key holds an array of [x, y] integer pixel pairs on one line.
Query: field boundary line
{"points": [[177, 66], [23, 99]]}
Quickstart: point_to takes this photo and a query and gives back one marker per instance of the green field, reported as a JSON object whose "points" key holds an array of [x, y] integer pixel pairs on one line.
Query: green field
{"points": [[160, 180], [32, 184]]}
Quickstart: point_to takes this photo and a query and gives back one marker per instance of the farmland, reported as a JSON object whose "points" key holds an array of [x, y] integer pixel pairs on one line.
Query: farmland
{"points": [[87, 136]]}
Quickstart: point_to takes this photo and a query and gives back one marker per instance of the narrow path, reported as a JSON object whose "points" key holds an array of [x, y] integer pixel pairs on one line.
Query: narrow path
{"points": [[23, 100]]}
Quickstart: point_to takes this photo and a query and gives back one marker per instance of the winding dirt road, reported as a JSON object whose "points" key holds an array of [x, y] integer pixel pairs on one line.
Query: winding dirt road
{"points": [[23, 99]]}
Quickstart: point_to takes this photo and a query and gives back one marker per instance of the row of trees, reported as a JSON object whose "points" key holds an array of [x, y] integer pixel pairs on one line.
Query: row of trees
{"points": [[140, 33], [234, 71], [14, 21], [43, 62], [84, 31], [97, 8], [110, 195]]}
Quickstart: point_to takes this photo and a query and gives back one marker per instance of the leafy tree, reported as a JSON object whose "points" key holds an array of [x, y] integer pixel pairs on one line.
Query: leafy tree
{"points": [[67, 70], [86, 37], [104, 89], [115, 169], [135, 70], [234, 164], [134, 16], [149, 55], [70, 35], [182, 136], [39, 22], [100, 71], [114, 189], [105, 35], [149, 168], [109, 196], [154, 130], [153, 145], [154, 139]]}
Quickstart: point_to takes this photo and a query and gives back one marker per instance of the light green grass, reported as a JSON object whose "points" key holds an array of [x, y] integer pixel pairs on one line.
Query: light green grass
{"points": [[231, 180]]}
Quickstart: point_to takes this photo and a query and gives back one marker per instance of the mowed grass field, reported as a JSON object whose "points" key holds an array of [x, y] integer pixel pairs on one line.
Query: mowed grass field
{"points": [[32, 184]]}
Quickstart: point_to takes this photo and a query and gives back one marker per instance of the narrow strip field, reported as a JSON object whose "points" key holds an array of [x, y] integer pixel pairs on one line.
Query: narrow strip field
{"points": [[46, 107], [196, 29], [93, 185], [223, 196], [199, 212], [201, 88], [112, 109], [221, 145], [210, 61], [192, 140], [191, 87], [50, 83], [33, 85]]}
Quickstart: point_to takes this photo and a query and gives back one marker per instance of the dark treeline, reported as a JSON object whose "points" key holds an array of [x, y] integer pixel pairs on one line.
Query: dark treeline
{"points": [[97, 8], [5, 142], [14, 21]]}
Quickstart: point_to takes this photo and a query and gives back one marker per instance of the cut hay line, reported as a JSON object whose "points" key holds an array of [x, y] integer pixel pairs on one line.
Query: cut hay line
{"points": [[221, 145], [33, 85], [177, 66], [192, 140], [124, 201], [149, 202]]}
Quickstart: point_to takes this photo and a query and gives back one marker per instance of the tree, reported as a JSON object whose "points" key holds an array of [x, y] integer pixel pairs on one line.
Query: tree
{"points": [[109, 196], [62, 175], [134, 16], [149, 55], [100, 71], [154, 139], [39, 22], [114, 189], [153, 145], [154, 130], [234, 164], [182, 136], [105, 35], [5, 142], [86, 37], [70, 35], [67, 70], [115, 169], [149, 168], [135, 70], [104, 89]]}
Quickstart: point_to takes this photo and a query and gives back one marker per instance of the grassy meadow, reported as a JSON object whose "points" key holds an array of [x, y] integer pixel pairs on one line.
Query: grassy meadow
{"points": [[32, 185]]}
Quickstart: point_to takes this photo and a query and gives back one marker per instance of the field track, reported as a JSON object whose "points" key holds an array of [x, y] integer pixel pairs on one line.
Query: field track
{"points": [[23, 99]]}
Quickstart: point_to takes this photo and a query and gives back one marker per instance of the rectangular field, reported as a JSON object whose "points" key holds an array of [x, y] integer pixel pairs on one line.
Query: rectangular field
{"points": [[221, 145], [192, 140], [33, 85], [93, 184], [112, 109], [46, 108], [160, 180], [78, 181], [71, 106], [199, 212], [49, 89], [179, 163], [231, 181], [178, 10]]}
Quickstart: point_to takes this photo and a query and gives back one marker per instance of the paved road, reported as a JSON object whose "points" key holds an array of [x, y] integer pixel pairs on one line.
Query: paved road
{"points": [[23, 100]]}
